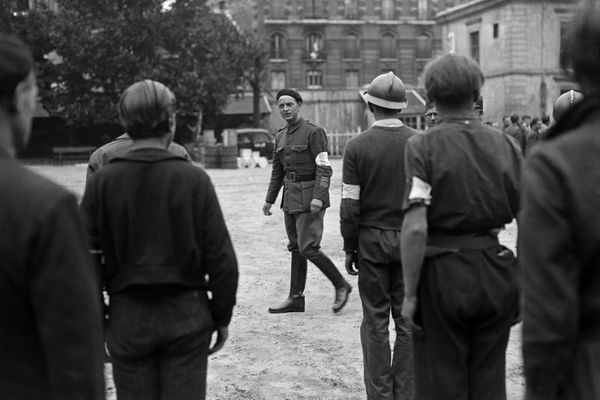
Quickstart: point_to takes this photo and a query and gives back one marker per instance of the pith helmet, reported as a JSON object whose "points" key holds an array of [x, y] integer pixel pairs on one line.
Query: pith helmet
{"points": [[564, 102], [387, 91]]}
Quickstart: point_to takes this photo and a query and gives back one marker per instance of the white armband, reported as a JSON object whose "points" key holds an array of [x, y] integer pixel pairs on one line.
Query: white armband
{"points": [[351, 192], [322, 160], [420, 190]]}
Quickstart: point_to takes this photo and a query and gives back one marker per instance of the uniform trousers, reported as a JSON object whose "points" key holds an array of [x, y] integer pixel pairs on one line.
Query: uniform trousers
{"points": [[159, 345], [381, 289], [304, 231], [467, 302]]}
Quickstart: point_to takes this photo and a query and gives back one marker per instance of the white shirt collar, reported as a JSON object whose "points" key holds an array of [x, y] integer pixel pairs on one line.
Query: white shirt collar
{"points": [[388, 123]]}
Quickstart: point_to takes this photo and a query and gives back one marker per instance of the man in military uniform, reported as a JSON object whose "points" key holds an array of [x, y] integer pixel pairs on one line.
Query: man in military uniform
{"points": [[301, 165], [559, 235], [371, 219], [461, 285]]}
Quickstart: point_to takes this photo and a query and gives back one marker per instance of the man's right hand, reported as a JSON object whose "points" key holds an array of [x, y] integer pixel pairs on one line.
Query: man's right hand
{"points": [[222, 335], [351, 262], [267, 208]]}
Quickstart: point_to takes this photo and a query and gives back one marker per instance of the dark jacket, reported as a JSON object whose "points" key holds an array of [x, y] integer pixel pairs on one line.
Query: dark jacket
{"points": [[373, 164], [301, 165], [559, 252], [158, 221], [121, 145], [51, 340]]}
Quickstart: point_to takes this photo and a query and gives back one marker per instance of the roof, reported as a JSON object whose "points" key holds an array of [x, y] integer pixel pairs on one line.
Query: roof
{"points": [[415, 102], [243, 105]]}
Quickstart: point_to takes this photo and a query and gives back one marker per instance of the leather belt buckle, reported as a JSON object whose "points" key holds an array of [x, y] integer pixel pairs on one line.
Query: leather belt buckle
{"points": [[292, 176]]}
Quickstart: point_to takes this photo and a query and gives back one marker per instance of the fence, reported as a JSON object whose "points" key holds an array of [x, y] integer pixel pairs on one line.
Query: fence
{"points": [[337, 141]]}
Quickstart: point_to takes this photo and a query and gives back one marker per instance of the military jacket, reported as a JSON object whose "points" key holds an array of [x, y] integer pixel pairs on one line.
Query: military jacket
{"points": [[301, 165]]}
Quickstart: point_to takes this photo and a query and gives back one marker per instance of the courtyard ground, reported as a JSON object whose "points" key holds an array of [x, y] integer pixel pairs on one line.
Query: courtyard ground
{"points": [[315, 355]]}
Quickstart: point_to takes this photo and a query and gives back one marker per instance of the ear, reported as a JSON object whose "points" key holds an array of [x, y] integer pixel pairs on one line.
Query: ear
{"points": [[25, 96]]}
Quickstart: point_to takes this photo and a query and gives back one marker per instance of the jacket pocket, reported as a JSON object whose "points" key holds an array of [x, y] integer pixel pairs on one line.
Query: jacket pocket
{"points": [[308, 188]]}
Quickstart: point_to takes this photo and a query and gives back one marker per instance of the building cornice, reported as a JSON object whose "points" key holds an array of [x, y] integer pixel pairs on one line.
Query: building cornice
{"points": [[476, 7], [346, 22]]}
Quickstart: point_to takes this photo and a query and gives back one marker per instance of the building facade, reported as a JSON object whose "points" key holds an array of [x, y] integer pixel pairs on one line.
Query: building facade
{"points": [[330, 50], [519, 46]]}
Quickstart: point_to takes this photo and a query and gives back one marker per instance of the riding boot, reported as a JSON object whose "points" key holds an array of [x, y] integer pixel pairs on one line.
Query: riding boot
{"points": [[342, 287], [295, 301]]}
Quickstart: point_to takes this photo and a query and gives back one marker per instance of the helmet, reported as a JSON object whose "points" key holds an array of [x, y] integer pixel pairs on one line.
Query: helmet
{"points": [[564, 102], [387, 91]]}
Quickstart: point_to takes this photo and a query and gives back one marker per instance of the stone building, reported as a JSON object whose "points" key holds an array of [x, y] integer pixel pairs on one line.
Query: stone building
{"points": [[519, 46], [330, 49]]}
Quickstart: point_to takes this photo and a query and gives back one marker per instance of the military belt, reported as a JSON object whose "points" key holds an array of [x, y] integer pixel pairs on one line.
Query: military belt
{"points": [[298, 177]]}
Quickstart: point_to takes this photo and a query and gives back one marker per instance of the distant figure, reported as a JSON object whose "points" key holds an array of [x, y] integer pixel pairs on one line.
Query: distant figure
{"points": [[505, 123], [50, 316], [119, 146], [516, 131], [559, 235], [157, 220], [461, 286], [431, 115], [371, 219], [535, 134], [479, 108]]}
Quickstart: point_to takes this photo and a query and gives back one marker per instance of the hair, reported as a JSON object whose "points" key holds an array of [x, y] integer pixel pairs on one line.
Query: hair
{"points": [[583, 45], [546, 119], [146, 109], [16, 63], [384, 110], [289, 92], [453, 79], [514, 118], [534, 121]]}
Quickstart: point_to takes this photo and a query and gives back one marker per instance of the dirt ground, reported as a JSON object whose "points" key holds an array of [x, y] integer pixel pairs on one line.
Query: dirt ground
{"points": [[311, 355]]}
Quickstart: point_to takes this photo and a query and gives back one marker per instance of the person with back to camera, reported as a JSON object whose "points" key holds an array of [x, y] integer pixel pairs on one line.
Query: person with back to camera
{"points": [[50, 314], [301, 165], [461, 291], [370, 222], [559, 234], [157, 220]]}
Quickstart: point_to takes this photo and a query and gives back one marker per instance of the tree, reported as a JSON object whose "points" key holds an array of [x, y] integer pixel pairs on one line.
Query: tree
{"points": [[88, 52]]}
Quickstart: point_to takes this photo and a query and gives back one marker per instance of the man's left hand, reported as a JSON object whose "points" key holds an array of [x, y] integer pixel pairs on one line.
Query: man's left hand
{"points": [[316, 205], [409, 308]]}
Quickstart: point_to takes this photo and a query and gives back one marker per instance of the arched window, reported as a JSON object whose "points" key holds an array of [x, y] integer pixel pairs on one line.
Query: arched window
{"points": [[277, 46], [388, 46], [314, 46], [352, 46], [424, 46]]}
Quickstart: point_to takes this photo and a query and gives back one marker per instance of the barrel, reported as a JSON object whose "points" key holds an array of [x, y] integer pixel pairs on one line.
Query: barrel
{"points": [[212, 157], [229, 157]]}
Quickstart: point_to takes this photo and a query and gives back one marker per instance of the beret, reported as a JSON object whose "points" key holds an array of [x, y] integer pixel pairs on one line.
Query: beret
{"points": [[289, 92]]}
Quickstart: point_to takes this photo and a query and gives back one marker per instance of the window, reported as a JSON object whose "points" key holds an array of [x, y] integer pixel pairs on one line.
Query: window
{"points": [[387, 9], [352, 80], [314, 79], [562, 55], [496, 30], [351, 9], [314, 9], [314, 46], [278, 80], [388, 46], [277, 46], [474, 36], [352, 47], [424, 46], [277, 9]]}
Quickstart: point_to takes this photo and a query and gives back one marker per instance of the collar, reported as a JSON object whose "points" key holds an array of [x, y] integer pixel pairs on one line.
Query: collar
{"points": [[295, 125], [147, 154], [388, 123]]}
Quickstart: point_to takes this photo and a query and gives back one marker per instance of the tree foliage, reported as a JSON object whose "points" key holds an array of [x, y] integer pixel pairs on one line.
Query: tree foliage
{"points": [[95, 49]]}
